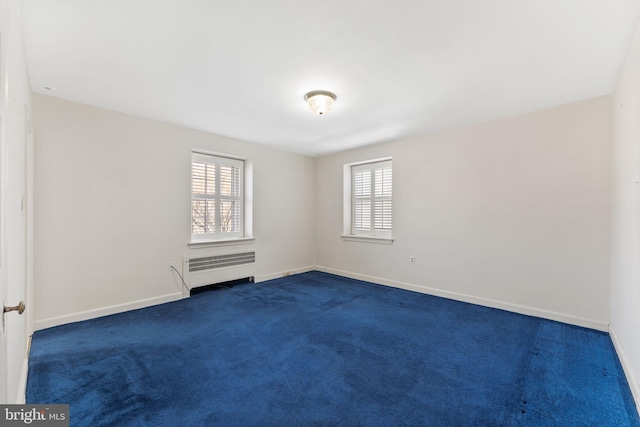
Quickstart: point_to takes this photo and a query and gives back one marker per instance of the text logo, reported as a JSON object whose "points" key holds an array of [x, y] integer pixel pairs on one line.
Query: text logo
{"points": [[34, 415]]}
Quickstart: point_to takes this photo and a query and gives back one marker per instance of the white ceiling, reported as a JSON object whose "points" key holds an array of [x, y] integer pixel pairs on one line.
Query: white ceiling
{"points": [[241, 68]]}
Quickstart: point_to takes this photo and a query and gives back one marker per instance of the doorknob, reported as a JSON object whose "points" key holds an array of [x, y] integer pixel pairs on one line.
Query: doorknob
{"points": [[19, 308]]}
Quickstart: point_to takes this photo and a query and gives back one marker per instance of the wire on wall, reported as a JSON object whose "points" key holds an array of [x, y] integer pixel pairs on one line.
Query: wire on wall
{"points": [[182, 279]]}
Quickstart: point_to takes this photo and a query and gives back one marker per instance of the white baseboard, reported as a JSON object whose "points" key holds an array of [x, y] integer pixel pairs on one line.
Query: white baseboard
{"points": [[516, 308], [628, 371], [531, 311], [105, 311], [114, 309], [265, 277]]}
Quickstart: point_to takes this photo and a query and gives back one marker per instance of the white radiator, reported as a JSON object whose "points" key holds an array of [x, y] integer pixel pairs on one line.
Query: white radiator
{"points": [[211, 269]]}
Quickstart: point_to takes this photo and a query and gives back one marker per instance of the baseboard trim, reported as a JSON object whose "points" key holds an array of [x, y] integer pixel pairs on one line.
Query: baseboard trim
{"points": [[516, 308], [530, 311], [119, 308], [265, 277], [106, 311], [634, 385]]}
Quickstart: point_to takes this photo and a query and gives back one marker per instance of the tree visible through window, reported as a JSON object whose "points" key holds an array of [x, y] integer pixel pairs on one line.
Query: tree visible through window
{"points": [[216, 197]]}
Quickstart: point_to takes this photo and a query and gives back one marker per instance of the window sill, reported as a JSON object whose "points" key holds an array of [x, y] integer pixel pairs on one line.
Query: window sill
{"points": [[368, 239], [195, 244]]}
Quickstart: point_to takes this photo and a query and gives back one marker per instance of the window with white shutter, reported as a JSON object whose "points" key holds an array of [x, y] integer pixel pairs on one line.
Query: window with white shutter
{"points": [[371, 198], [216, 197]]}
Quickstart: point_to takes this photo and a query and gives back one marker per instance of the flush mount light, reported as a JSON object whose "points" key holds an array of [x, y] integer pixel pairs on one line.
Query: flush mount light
{"points": [[320, 101]]}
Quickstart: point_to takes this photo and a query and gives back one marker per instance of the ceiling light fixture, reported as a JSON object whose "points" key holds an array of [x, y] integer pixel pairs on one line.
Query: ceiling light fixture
{"points": [[320, 101]]}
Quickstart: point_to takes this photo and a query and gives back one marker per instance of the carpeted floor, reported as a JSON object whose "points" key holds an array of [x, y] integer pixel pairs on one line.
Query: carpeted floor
{"points": [[316, 349]]}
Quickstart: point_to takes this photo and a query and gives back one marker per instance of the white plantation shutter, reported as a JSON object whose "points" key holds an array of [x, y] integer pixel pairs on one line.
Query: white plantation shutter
{"points": [[230, 198], [362, 199], [216, 197], [372, 198]]}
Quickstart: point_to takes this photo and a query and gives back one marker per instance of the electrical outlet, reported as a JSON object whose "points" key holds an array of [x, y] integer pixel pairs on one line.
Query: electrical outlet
{"points": [[412, 260]]}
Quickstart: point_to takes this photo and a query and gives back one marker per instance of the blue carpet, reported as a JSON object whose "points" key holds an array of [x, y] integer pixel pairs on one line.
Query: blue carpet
{"points": [[316, 349]]}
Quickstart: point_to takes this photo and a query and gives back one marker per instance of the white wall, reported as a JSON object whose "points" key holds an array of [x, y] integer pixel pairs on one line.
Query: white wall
{"points": [[514, 213], [113, 209], [625, 239]]}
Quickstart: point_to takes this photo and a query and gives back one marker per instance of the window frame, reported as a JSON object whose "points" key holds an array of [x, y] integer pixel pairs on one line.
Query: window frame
{"points": [[350, 231], [220, 159]]}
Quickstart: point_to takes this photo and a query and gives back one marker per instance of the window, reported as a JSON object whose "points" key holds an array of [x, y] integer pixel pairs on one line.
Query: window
{"points": [[217, 206], [370, 199]]}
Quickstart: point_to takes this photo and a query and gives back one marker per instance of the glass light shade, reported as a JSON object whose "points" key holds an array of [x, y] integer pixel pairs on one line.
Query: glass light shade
{"points": [[320, 101]]}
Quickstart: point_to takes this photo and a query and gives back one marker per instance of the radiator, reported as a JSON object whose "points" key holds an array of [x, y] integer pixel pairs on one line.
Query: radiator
{"points": [[217, 268]]}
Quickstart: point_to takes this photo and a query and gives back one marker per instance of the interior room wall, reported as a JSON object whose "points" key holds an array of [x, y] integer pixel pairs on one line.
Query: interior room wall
{"points": [[625, 239], [112, 194], [513, 213]]}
